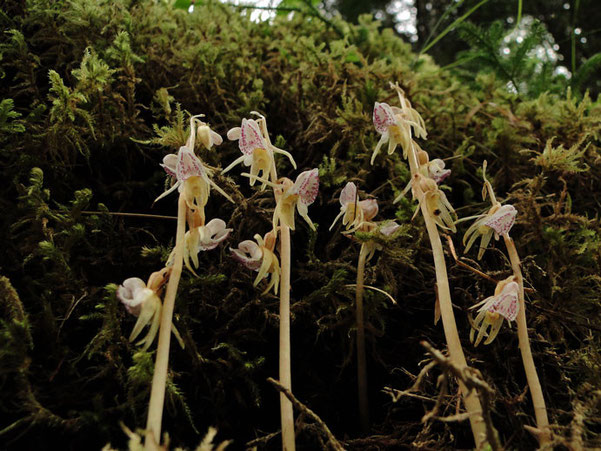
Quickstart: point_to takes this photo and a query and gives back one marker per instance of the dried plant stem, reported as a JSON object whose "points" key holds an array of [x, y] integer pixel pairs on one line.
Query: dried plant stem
{"points": [[361, 358], [470, 398], [159, 378], [286, 413], [540, 409]]}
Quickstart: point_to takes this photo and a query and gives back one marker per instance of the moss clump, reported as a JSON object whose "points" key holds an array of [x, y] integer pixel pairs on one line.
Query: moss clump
{"points": [[87, 83]]}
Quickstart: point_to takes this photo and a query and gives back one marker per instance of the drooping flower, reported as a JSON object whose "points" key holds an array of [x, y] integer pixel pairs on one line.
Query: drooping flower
{"points": [[301, 194], [257, 150], [498, 220], [386, 228], [425, 189], [259, 256], [191, 177], [434, 170], [396, 125], [437, 171], [354, 211], [208, 137], [504, 304], [203, 238], [143, 300]]}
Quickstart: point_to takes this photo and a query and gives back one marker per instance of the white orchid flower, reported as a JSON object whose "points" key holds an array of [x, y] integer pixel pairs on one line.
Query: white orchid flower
{"points": [[353, 211], [301, 194], [259, 256], [396, 125], [503, 305], [498, 221], [203, 238], [191, 177], [142, 300], [257, 150]]}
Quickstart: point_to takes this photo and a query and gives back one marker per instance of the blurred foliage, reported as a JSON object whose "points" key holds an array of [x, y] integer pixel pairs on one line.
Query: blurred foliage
{"points": [[95, 93]]}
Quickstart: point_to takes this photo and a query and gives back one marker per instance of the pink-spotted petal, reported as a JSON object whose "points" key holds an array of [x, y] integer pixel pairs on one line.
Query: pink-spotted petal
{"points": [[502, 220], [169, 164], [307, 186], [383, 117], [506, 303], [188, 164], [348, 195], [250, 137]]}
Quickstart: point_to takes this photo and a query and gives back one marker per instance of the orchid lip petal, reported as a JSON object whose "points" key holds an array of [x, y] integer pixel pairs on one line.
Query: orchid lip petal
{"points": [[249, 254], [188, 164], [502, 220], [307, 186], [251, 137], [169, 164], [507, 302], [216, 138], [383, 117], [370, 208]]}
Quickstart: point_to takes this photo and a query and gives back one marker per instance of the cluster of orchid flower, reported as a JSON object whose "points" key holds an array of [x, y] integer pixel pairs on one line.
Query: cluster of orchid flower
{"points": [[193, 179], [258, 153], [504, 304], [357, 216], [398, 126]]}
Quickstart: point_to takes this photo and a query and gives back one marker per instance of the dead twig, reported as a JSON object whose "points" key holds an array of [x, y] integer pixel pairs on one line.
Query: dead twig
{"points": [[472, 379], [332, 441]]}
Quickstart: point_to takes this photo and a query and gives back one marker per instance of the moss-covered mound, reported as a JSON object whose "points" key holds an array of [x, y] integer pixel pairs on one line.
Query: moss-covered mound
{"points": [[87, 84]]}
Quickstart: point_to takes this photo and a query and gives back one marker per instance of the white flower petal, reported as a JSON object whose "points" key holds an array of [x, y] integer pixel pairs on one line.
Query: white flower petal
{"points": [[169, 164], [233, 134], [249, 254], [369, 208], [389, 228], [348, 195], [216, 138]]}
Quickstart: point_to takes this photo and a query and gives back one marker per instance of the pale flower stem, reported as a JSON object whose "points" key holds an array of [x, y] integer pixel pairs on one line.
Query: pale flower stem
{"points": [[159, 378], [471, 401], [361, 358], [286, 413], [538, 400]]}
